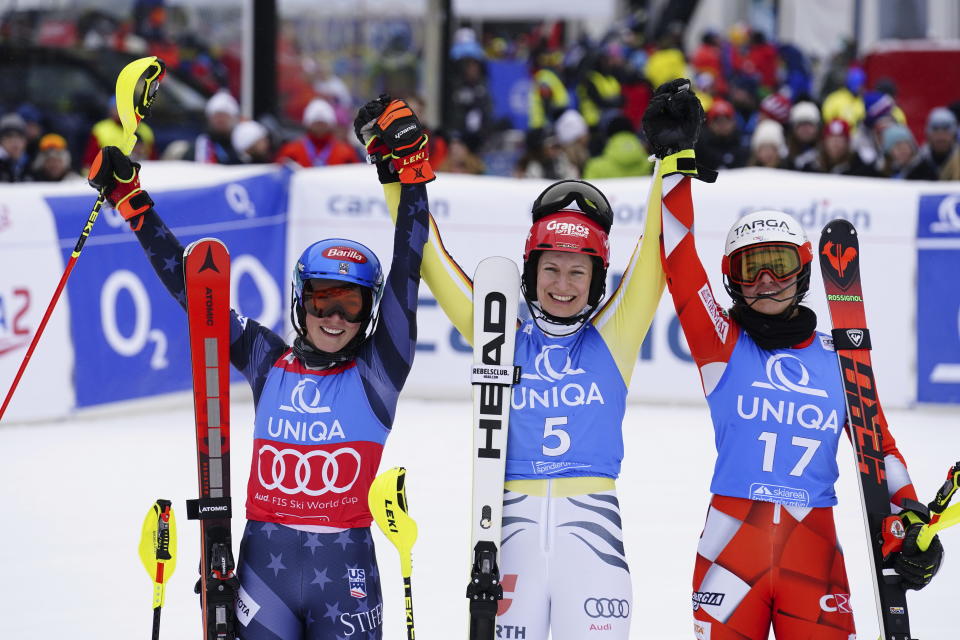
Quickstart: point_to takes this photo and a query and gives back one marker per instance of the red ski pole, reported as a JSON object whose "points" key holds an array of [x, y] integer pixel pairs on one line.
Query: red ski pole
{"points": [[136, 89]]}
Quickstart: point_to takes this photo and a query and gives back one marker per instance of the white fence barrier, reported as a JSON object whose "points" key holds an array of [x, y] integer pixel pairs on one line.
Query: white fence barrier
{"points": [[118, 335]]}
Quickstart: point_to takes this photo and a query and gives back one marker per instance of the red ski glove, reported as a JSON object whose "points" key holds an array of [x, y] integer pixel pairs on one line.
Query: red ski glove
{"points": [[120, 178], [395, 135]]}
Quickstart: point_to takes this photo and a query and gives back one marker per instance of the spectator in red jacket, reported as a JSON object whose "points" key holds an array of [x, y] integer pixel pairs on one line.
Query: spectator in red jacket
{"points": [[319, 146], [760, 60]]}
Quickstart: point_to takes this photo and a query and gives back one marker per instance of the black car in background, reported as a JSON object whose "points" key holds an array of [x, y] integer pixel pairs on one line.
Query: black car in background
{"points": [[72, 89]]}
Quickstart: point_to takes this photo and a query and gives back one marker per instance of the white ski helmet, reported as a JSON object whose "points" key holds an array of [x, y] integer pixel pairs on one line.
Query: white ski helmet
{"points": [[766, 241]]}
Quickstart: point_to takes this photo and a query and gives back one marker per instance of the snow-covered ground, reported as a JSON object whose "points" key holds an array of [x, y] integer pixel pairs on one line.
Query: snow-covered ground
{"points": [[75, 493]]}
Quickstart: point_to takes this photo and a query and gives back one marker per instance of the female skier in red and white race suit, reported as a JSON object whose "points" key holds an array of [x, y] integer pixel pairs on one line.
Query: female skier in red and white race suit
{"points": [[768, 553], [563, 563], [324, 406]]}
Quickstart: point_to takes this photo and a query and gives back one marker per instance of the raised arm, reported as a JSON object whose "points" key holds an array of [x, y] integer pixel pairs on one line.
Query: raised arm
{"points": [[625, 318], [452, 287], [672, 123], [710, 334], [385, 361], [253, 347], [396, 142]]}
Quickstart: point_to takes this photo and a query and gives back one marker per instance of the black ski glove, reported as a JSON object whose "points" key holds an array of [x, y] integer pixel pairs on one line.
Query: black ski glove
{"points": [[916, 567], [673, 119]]}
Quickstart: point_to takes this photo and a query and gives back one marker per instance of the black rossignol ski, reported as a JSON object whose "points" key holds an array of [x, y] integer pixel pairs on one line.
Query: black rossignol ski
{"points": [[206, 268], [496, 294], [840, 266]]}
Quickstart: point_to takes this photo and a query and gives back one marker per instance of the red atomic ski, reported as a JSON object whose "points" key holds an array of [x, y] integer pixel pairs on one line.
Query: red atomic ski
{"points": [[840, 266], [206, 268]]}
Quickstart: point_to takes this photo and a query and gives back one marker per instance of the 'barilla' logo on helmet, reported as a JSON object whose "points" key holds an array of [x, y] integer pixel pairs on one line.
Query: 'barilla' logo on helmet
{"points": [[760, 225], [568, 229], [345, 253]]}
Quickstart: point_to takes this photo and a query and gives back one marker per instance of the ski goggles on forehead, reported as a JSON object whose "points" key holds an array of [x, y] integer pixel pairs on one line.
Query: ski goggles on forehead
{"points": [[324, 298], [560, 195], [780, 259]]}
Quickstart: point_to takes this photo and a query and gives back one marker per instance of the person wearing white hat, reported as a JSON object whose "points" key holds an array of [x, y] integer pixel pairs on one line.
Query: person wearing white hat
{"points": [[573, 135], [251, 141], [804, 132], [319, 146], [213, 146], [768, 147]]}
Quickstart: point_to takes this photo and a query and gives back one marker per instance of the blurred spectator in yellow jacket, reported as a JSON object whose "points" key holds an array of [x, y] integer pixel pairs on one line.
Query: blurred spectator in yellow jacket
{"points": [[846, 103], [109, 133], [548, 96], [623, 156]]}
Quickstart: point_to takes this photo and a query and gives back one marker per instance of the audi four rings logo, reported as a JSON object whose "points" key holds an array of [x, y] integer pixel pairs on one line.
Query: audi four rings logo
{"points": [[606, 607], [304, 480]]}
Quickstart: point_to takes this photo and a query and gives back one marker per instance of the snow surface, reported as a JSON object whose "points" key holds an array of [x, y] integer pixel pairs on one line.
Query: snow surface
{"points": [[75, 494]]}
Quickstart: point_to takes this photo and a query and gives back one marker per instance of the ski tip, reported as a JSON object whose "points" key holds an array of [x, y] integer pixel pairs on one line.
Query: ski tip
{"points": [[838, 228], [202, 242]]}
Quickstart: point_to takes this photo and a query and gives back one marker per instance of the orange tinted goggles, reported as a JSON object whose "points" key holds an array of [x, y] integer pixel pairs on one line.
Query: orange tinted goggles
{"points": [[325, 299], [780, 259]]}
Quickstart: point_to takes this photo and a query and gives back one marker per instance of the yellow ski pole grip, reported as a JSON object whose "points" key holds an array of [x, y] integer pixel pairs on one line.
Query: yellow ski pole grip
{"points": [[949, 517], [137, 87], [158, 552], [388, 504]]}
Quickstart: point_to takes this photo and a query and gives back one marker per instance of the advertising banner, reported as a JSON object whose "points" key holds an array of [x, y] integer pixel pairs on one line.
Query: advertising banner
{"points": [[938, 298], [118, 334], [30, 268], [483, 216], [129, 334]]}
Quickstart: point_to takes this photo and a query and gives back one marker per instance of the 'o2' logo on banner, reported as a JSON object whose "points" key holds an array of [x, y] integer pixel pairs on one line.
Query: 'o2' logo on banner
{"points": [[270, 307], [238, 198], [142, 334]]}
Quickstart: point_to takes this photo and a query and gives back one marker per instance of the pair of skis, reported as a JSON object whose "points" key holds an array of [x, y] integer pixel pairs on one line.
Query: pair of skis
{"points": [[206, 268]]}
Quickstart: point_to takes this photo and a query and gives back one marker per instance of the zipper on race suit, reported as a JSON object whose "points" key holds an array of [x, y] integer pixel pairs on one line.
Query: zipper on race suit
{"points": [[776, 513]]}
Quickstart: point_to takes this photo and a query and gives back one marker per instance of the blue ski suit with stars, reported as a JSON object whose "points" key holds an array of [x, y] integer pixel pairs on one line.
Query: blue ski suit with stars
{"points": [[306, 563]]}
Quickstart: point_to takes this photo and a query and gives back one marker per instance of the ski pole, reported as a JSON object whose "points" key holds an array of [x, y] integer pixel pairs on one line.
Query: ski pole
{"points": [[158, 551], [941, 516], [388, 504], [136, 89]]}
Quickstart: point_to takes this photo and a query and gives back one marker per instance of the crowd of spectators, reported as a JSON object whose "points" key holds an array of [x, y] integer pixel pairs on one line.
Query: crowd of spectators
{"points": [[585, 105]]}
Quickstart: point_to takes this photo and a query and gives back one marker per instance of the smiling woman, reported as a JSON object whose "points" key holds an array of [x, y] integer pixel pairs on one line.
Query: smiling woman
{"points": [[777, 403], [562, 549], [328, 400], [563, 282]]}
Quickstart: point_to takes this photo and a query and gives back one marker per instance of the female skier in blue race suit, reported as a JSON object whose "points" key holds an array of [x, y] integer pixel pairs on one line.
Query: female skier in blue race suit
{"points": [[563, 563], [306, 565], [768, 553]]}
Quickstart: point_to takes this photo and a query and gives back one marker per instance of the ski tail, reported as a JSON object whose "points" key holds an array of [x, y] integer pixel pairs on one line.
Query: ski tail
{"points": [[496, 295], [839, 253], [206, 265]]}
